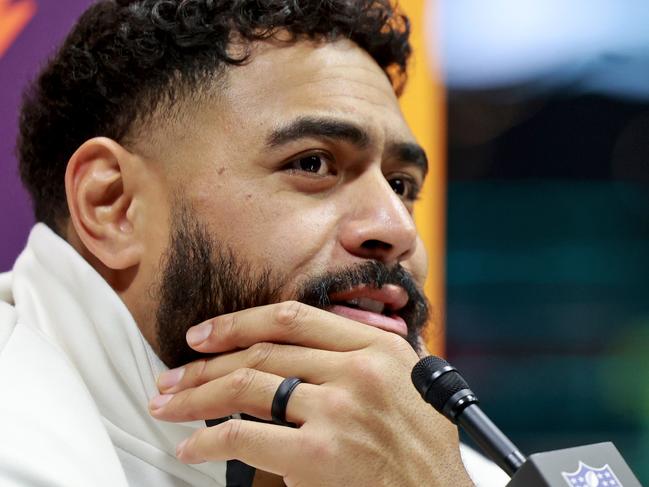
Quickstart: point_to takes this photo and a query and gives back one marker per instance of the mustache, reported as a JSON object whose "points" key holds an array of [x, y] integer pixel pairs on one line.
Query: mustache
{"points": [[317, 291]]}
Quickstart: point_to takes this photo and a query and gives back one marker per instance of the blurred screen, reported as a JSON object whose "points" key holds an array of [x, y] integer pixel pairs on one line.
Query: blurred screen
{"points": [[548, 217]]}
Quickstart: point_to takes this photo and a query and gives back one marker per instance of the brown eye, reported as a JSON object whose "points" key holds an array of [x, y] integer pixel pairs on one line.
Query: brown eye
{"points": [[404, 187], [316, 164], [310, 163], [399, 186]]}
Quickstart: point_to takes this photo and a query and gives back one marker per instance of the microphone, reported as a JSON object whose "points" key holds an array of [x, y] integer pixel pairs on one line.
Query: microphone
{"points": [[442, 386], [596, 465]]}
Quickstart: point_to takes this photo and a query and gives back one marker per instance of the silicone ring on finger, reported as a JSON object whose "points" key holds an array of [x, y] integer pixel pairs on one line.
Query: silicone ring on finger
{"points": [[280, 401]]}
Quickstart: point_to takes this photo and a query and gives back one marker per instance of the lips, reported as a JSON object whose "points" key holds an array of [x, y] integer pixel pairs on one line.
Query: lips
{"points": [[373, 306]]}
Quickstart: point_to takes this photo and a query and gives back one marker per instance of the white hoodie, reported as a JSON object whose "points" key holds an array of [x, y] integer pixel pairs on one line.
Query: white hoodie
{"points": [[76, 377]]}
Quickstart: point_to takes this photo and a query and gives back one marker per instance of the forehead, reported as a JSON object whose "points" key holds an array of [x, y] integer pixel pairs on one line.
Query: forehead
{"points": [[285, 81], [231, 122]]}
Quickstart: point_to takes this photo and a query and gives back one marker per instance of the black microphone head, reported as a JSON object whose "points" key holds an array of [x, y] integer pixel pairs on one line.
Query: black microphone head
{"points": [[442, 386]]}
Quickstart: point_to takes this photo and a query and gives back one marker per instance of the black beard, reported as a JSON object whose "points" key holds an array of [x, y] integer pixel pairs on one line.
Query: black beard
{"points": [[201, 280]]}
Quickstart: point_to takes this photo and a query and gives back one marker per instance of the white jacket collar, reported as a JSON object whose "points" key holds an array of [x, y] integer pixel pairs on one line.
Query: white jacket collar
{"points": [[57, 291]]}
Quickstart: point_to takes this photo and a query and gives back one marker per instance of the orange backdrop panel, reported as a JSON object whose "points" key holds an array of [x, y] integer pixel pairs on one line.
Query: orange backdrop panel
{"points": [[423, 105], [13, 18]]}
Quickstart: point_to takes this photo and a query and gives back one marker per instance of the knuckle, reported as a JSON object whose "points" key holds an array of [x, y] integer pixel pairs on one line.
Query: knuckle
{"points": [[319, 450], [227, 326], [184, 402], [289, 313], [196, 373], [259, 354], [231, 432], [366, 370], [395, 344], [339, 404], [240, 381], [198, 438]]}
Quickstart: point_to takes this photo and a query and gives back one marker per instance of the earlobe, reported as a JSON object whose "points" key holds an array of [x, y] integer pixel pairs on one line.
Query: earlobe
{"points": [[102, 202]]}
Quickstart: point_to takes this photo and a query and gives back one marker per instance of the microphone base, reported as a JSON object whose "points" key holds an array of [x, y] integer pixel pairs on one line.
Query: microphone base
{"points": [[599, 465]]}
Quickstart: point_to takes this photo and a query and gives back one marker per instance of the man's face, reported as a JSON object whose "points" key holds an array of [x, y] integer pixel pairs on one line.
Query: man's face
{"points": [[301, 175]]}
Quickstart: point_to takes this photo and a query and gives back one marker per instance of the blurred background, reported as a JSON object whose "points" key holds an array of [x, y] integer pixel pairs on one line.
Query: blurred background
{"points": [[548, 216], [536, 117]]}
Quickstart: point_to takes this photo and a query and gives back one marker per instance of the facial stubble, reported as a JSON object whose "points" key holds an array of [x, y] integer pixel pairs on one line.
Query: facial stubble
{"points": [[203, 278]]}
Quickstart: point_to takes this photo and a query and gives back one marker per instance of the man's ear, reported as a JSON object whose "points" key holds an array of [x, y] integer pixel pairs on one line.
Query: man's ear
{"points": [[100, 185]]}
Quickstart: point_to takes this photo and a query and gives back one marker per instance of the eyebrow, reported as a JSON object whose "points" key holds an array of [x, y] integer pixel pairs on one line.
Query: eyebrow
{"points": [[319, 128], [405, 152], [409, 153]]}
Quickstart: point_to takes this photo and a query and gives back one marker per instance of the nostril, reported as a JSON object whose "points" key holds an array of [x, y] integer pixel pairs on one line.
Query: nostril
{"points": [[376, 245]]}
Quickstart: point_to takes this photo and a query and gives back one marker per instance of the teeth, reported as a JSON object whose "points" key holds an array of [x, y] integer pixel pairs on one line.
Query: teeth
{"points": [[370, 305]]}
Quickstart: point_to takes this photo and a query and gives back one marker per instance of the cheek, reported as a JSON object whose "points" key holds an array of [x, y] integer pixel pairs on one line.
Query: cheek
{"points": [[294, 234], [299, 236], [283, 230]]}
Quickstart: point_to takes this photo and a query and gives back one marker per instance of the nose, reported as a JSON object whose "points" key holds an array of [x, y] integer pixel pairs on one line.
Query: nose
{"points": [[377, 224]]}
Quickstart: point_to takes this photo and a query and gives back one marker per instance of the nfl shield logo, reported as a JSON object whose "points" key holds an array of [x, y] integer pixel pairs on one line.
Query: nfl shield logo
{"points": [[587, 476]]}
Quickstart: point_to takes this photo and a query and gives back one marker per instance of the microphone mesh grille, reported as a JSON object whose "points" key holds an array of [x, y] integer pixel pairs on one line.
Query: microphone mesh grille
{"points": [[444, 387], [441, 390]]}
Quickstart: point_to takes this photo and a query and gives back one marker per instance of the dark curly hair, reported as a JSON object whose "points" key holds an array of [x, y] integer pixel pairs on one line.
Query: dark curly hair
{"points": [[126, 59]]}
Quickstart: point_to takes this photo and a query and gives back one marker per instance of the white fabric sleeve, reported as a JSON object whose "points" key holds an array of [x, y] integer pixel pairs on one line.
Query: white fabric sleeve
{"points": [[51, 434]]}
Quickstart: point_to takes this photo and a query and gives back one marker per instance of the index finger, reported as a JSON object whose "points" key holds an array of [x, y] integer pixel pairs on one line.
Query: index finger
{"points": [[290, 322]]}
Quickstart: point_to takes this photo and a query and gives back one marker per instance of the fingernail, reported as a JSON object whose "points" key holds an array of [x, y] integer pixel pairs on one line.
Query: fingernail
{"points": [[170, 378], [181, 446], [199, 333], [159, 401]]}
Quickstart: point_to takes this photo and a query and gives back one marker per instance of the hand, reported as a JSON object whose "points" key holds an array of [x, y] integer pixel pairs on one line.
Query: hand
{"points": [[360, 420]]}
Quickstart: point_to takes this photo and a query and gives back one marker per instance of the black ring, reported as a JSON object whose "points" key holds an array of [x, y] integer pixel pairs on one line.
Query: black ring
{"points": [[280, 401]]}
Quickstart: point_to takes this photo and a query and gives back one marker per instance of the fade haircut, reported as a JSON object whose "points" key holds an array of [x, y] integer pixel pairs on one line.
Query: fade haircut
{"points": [[126, 60]]}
